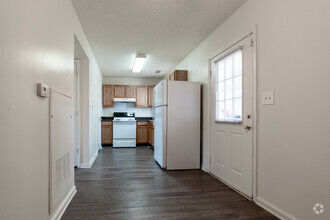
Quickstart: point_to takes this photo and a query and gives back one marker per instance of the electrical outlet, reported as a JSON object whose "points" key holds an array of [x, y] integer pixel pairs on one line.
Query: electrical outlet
{"points": [[268, 98]]}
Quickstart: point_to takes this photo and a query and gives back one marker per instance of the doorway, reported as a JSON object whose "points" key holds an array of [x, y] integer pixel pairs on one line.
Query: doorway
{"points": [[77, 130], [233, 112]]}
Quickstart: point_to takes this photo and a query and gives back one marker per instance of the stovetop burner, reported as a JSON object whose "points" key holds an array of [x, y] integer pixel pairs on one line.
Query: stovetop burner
{"points": [[123, 114]]}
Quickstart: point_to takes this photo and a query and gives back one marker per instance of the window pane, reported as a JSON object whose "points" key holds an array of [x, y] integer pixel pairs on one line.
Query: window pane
{"points": [[228, 67], [229, 89], [221, 91], [238, 109], [221, 110], [221, 71], [229, 109], [238, 86], [238, 63]]}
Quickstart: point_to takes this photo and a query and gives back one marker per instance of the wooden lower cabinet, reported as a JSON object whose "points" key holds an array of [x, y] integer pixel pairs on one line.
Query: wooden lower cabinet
{"points": [[151, 133], [145, 133], [142, 132], [106, 132]]}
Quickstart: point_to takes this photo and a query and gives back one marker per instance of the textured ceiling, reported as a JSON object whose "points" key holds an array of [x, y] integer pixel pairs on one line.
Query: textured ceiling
{"points": [[165, 31]]}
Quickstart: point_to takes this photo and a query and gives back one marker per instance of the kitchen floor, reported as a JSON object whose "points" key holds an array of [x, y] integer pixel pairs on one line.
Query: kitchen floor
{"points": [[126, 183]]}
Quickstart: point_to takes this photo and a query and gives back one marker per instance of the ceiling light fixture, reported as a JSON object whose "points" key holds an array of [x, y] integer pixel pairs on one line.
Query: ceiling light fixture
{"points": [[138, 63]]}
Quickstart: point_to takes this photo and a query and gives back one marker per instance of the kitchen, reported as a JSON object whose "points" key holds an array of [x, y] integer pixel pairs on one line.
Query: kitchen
{"points": [[130, 113]]}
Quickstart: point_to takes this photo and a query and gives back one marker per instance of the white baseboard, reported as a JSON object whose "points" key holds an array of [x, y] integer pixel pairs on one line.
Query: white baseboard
{"points": [[205, 169], [90, 164], [281, 214], [57, 214]]}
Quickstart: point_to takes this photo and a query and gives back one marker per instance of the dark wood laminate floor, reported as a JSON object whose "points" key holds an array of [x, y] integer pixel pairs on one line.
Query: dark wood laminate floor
{"points": [[126, 183]]}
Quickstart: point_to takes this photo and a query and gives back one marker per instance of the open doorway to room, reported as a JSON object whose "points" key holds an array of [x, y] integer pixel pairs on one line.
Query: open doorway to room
{"points": [[79, 58]]}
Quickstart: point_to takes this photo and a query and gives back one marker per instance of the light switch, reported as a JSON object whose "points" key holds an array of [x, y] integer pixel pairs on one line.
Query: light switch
{"points": [[268, 98]]}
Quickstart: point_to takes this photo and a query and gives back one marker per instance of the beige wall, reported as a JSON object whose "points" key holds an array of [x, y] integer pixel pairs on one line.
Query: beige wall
{"points": [[130, 81], [37, 41], [293, 135]]}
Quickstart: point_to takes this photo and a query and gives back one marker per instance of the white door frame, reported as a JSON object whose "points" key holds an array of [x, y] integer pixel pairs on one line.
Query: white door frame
{"points": [[253, 33], [77, 112]]}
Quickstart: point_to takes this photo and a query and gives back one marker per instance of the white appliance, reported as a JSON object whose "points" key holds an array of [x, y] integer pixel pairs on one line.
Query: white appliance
{"points": [[124, 129], [124, 100], [177, 125]]}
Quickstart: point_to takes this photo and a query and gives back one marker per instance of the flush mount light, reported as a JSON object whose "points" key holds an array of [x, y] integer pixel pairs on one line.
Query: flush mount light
{"points": [[138, 63]]}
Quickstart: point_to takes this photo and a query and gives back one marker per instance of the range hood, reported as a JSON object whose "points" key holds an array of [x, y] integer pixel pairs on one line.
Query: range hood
{"points": [[124, 100]]}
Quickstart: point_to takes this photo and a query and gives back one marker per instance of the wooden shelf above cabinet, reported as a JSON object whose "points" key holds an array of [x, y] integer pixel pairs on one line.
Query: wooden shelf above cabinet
{"points": [[178, 75]]}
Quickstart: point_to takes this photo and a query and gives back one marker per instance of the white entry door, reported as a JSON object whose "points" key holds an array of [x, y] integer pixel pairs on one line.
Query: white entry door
{"points": [[232, 116]]}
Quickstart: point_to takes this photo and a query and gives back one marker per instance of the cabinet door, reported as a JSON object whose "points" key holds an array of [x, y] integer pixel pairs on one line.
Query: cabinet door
{"points": [[130, 91], [107, 95], [180, 75], [141, 96], [106, 134], [142, 134], [119, 91], [150, 96]]}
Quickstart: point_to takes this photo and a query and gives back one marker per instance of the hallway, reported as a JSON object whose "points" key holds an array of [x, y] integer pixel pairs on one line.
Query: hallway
{"points": [[126, 183]]}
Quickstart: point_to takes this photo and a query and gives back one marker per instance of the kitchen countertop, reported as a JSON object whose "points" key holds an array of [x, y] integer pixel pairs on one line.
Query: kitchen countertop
{"points": [[136, 118]]}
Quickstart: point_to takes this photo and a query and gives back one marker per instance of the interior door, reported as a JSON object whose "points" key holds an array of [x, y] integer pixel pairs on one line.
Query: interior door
{"points": [[231, 116]]}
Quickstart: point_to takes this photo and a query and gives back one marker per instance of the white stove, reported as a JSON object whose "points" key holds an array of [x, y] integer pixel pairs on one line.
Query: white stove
{"points": [[124, 129]]}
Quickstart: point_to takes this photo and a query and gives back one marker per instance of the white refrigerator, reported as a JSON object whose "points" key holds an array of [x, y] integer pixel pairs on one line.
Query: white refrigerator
{"points": [[177, 124]]}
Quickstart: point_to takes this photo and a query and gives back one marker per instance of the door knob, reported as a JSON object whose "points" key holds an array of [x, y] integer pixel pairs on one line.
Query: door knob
{"points": [[247, 127]]}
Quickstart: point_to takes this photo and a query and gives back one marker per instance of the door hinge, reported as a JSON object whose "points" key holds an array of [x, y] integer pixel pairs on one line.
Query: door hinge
{"points": [[210, 73], [77, 151], [251, 42]]}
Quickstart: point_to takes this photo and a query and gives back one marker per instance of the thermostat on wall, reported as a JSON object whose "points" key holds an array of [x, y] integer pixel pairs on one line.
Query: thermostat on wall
{"points": [[42, 90]]}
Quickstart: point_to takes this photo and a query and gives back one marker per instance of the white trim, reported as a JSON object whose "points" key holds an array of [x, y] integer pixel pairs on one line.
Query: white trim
{"points": [[58, 212], [281, 214], [255, 97], [205, 169], [255, 116], [77, 114], [90, 164]]}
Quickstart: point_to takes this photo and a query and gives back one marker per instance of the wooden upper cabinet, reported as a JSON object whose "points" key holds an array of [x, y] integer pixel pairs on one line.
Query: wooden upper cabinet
{"points": [[178, 75], [130, 91], [119, 91], [107, 95], [141, 96], [151, 96]]}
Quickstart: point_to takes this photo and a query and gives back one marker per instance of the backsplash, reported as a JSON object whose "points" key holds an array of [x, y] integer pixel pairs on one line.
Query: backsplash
{"points": [[127, 107]]}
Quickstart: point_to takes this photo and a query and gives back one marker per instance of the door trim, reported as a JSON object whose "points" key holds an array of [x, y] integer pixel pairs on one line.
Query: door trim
{"points": [[253, 34], [77, 113]]}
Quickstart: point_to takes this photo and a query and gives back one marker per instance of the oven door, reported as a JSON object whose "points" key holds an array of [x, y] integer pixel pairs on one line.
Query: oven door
{"points": [[124, 134]]}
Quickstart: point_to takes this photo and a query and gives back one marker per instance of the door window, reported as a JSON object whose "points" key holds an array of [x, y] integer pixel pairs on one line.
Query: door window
{"points": [[229, 88]]}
